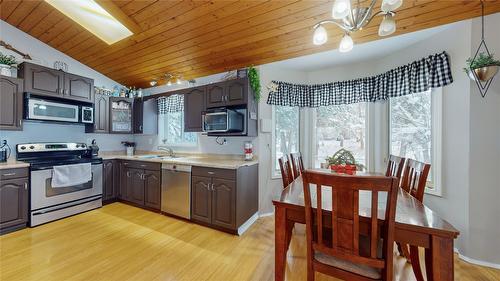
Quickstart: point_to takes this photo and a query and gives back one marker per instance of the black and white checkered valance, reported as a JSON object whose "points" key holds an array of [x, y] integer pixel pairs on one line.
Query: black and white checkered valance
{"points": [[173, 103], [419, 76]]}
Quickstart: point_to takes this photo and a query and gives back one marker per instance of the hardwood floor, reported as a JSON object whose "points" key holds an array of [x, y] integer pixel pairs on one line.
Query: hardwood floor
{"points": [[119, 242]]}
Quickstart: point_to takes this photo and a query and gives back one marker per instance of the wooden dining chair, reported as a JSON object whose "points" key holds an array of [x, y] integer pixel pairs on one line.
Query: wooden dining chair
{"points": [[286, 170], [335, 245], [297, 164], [395, 166], [414, 180]]}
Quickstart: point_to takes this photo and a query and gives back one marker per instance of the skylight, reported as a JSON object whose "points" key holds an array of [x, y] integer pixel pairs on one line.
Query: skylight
{"points": [[94, 18]]}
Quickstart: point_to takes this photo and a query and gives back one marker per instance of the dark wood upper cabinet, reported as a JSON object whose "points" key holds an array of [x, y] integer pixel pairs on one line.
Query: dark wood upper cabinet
{"points": [[11, 103], [152, 189], [78, 88], [236, 92], [215, 95], [13, 203], [223, 203], [145, 116], [42, 80], [101, 115], [138, 109], [45, 81], [201, 199], [194, 105]]}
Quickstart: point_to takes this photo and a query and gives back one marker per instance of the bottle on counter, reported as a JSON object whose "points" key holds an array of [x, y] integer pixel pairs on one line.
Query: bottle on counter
{"points": [[248, 151]]}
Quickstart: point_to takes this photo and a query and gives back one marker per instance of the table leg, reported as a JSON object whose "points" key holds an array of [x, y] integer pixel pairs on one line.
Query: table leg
{"points": [[439, 259], [280, 243]]}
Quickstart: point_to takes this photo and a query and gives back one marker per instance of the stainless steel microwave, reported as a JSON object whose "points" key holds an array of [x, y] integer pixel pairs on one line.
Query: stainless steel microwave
{"points": [[222, 120], [52, 110]]}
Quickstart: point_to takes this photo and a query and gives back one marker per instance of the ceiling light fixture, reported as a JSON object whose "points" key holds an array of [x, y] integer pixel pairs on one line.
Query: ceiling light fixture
{"points": [[94, 18], [352, 18], [153, 83]]}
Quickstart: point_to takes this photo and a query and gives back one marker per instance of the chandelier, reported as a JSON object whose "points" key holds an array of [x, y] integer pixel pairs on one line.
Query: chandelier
{"points": [[351, 18]]}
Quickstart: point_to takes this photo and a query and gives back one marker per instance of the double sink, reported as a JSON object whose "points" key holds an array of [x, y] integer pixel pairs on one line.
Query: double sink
{"points": [[159, 157]]}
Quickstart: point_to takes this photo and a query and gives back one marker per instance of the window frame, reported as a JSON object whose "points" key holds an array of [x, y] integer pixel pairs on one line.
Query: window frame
{"points": [[161, 134], [436, 140], [276, 174]]}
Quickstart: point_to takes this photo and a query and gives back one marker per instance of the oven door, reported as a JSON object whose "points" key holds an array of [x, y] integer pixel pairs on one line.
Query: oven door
{"points": [[215, 122], [43, 195], [52, 111]]}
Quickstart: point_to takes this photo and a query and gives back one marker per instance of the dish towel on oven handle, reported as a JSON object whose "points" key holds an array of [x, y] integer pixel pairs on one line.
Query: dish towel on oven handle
{"points": [[71, 175]]}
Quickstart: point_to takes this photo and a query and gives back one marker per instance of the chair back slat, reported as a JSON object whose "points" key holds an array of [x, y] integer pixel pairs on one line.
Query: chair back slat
{"points": [[395, 166], [286, 170], [415, 178], [297, 164], [344, 212]]}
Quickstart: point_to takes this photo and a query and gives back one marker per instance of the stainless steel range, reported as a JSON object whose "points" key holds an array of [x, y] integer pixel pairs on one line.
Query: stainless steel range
{"points": [[48, 202]]}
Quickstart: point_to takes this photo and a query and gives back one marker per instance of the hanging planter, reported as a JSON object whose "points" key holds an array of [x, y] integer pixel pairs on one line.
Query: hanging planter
{"points": [[483, 67]]}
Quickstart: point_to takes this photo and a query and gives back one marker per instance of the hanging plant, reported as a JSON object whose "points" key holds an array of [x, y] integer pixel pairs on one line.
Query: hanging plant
{"points": [[479, 64], [7, 59], [253, 77]]}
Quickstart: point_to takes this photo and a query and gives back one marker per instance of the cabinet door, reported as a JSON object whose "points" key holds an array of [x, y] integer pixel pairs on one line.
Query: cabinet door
{"points": [[78, 88], [194, 105], [152, 189], [108, 180], [138, 109], [135, 186], [101, 115], [224, 203], [11, 103], [13, 202], [120, 115], [215, 95], [125, 176], [201, 199], [42, 80], [236, 92]]}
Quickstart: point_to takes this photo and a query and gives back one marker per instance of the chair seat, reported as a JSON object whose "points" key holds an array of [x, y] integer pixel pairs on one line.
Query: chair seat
{"points": [[359, 269]]}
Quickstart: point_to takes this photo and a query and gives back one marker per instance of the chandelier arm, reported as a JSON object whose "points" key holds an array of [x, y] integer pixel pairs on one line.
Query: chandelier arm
{"points": [[370, 9], [334, 22], [378, 13]]}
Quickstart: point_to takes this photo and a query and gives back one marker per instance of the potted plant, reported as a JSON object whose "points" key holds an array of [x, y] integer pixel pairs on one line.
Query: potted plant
{"points": [[485, 66], [343, 162], [6, 63], [130, 147]]}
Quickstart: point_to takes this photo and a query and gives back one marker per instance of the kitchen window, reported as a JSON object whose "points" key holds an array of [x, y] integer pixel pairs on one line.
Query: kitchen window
{"points": [[286, 136], [337, 127], [415, 131], [171, 130]]}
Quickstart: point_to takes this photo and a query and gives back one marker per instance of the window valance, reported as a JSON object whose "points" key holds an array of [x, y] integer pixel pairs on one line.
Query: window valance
{"points": [[173, 103], [416, 77]]}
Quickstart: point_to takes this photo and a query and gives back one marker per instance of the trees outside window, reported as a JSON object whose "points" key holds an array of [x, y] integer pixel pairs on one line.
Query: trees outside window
{"points": [[172, 133], [286, 132]]}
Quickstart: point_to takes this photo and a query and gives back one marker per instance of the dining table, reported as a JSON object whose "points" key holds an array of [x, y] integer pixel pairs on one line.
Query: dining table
{"points": [[416, 224]]}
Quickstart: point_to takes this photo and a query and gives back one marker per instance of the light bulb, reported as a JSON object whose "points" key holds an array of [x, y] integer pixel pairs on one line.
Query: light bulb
{"points": [[341, 9], [153, 83], [390, 5], [169, 83], [346, 44], [320, 36], [179, 81], [387, 26]]}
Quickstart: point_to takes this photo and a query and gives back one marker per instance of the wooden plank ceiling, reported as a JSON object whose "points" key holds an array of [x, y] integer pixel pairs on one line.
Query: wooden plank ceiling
{"points": [[198, 38]]}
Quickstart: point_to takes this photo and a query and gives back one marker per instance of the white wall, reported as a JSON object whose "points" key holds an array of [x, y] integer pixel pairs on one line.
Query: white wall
{"points": [[45, 55]]}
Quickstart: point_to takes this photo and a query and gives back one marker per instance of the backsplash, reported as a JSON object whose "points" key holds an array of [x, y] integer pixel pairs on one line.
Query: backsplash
{"points": [[48, 132]]}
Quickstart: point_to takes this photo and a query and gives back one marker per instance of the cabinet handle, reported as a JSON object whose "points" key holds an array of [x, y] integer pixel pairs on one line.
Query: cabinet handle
{"points": [[25, 186], [20, 122], [210, 173], [140, 128], [9, 174], [128, 174]]}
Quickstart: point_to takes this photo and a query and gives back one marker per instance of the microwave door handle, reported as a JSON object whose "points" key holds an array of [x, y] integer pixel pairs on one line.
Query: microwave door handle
{"points": [[203, 129], [227, 121]]}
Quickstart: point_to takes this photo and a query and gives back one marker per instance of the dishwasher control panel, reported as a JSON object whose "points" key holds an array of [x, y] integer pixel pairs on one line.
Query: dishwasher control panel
{"points": [[176, 167]]}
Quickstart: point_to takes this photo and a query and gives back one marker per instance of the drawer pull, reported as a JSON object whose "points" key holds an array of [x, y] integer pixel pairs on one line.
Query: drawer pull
{"points": [[143, 165], [25, 186], [9, 174], [211, 173]]}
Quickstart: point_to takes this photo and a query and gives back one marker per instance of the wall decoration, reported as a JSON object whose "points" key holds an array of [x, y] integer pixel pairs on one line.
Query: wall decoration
{"points": [[483, 67], [6, 63], [9, 47], [60, 65], [254, 79]]}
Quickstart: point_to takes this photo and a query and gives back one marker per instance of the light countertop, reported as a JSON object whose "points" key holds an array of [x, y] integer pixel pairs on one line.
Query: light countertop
{"points": [[12, 164], [202, 160]]}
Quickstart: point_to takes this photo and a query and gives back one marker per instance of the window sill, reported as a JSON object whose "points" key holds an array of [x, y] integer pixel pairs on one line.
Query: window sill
{"points": [[436, 193]]}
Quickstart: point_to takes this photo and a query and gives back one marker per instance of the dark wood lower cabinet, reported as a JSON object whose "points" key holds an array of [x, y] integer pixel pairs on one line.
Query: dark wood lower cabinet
{"points": [[152, 190], [135, 186], [13, 200], [201, 199], [222, 198], [110, 179]]}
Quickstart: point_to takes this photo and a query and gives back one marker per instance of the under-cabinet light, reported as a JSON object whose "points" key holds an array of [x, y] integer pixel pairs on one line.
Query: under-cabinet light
{"points": [[94, 18]]}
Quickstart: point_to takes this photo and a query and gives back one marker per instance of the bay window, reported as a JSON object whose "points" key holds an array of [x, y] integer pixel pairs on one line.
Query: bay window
{"points": [[285, 133]]}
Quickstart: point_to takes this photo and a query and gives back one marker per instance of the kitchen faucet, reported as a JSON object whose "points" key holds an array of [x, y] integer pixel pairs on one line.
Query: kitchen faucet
{"points": [[167, 149]]}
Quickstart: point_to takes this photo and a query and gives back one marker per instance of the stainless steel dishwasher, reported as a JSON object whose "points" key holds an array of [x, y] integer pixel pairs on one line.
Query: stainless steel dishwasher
{"points": [[176, 190]]}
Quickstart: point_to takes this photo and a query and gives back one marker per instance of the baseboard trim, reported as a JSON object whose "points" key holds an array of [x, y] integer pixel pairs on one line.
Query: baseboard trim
{"points": [[266, 214], [476, 262], [245, 226]]}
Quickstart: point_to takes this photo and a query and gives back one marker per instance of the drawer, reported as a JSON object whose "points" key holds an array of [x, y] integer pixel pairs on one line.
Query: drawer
{"points": [[7, 174], [141, 165], [214, 173]]}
